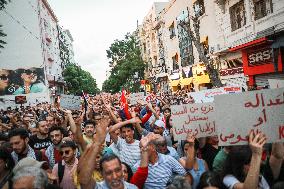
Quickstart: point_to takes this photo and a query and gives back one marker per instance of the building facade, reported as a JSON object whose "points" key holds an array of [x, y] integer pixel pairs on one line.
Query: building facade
{"points": [[243, 38], [32, 49]]}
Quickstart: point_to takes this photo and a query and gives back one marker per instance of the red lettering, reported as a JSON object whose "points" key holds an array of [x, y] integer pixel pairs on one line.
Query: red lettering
{"points": [[281, 131]]}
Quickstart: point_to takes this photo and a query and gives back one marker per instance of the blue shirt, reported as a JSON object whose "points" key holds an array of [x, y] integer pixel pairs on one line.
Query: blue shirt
{"points": [[160, 174]]}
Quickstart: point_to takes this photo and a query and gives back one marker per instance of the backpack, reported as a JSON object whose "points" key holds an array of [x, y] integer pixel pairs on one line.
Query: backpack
{"points": [[61, 168]]}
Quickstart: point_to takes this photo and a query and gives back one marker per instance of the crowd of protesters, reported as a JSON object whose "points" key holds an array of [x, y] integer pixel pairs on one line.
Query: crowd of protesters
{"points": [[110, 143]]}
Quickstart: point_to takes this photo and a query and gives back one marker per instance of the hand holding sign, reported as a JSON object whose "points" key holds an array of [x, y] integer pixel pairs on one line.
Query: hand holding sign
{"points": [[256, 142]]}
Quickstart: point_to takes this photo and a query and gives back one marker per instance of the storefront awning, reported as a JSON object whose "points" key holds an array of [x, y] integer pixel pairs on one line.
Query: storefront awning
{"points": [[186, 81], [249, 44], [175, 83]]}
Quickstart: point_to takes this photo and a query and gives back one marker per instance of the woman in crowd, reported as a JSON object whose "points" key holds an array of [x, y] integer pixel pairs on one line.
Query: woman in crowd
{"points": [[242, 166], [210, 180], [190, 162]]}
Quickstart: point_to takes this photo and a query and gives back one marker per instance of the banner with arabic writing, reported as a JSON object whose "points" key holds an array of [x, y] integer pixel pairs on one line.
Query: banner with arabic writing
{"points": [[70, 102], [259, 111], [134, 97], [195, 119], [208, 95]]}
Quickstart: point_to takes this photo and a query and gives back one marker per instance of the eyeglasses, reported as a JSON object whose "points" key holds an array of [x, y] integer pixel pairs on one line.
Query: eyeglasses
{"points": [[67, 152], [29, 72], [4, 77]]}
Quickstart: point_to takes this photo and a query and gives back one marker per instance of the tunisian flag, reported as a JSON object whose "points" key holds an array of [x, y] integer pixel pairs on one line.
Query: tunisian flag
{"points": [[124, 104]]}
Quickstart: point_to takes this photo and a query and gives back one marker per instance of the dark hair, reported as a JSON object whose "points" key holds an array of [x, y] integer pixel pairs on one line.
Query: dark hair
{"points": [[68, 143], [3, 137], [23, 133], [236, 159], [57, 128], [129, 126], [210, 178], [196, 144], [129, 171], [108, 157], [89, 122], [6, 156], [179, 182], [278, 185]]}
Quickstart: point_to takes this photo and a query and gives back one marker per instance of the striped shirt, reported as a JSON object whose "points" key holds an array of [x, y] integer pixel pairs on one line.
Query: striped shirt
{"points": [[129, 153], [161, 173]]}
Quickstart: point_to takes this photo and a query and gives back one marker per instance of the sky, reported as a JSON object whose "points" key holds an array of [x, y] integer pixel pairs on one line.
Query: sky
{"points": [[95, 24]]}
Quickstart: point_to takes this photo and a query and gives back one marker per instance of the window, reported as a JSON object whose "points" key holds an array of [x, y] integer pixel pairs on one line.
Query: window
{"points": [[172, 30], [237, 15], [262, 8], [199, 8], [175, 62]]}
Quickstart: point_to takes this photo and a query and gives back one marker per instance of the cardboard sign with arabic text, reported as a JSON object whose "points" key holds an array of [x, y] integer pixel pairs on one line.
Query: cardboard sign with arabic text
{"points": [[134, 97], [259, 111], [70, 102], [208, 95], [195, 119]]}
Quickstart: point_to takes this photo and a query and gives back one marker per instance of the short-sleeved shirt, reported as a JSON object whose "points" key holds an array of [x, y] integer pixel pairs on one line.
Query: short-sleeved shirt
{"points": [[67, 180], [129, 153], [230, 181], [160, 174], [219, 161], [39, 144], [103, 185]]}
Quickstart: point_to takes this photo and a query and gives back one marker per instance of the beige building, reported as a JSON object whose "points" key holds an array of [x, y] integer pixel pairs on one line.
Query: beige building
{"points": [[229, 31]]}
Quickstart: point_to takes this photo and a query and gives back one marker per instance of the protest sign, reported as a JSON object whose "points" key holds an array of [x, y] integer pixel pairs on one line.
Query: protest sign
{"points": [[70, 102], [208, 95], [134, 97], [257, 111], [276, 83], [195, 119]]}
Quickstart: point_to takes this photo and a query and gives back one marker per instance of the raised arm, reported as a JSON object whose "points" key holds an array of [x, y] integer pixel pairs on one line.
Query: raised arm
{"points": [[276, 159], [76, 129], [113, 128], [252, 179], [189, 161], [87, 162]]}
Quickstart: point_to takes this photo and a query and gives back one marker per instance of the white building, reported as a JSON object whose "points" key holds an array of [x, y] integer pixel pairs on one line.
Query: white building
{"points": [[32, 46]]}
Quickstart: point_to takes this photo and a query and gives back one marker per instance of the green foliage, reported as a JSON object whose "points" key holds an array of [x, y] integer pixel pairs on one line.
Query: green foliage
{"points": [[126, 56], [78, 79], [2, 34]]}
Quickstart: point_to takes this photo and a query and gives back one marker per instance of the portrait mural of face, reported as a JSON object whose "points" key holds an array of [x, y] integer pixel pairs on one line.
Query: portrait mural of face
{"points": [[22, 81]]}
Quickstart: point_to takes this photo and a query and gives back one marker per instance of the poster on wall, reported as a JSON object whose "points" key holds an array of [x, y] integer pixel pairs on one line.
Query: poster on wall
{"points": [[22, 71], [28, 82]]}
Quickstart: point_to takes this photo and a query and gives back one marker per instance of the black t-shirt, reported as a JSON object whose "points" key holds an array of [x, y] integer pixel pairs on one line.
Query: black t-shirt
{"points": [[208, 153], [39, 144]]}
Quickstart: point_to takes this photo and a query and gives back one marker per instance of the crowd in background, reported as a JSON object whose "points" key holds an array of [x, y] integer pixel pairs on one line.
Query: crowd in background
{"points": [[109, 143]]}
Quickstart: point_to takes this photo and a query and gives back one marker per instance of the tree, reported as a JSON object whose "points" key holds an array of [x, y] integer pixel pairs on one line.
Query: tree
{"points": [[3, 3], [78, 79], [194, 35], [129, 66]]}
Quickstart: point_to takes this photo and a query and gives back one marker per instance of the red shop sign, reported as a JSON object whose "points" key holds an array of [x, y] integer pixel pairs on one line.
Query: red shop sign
{"points": [[260, 56]]}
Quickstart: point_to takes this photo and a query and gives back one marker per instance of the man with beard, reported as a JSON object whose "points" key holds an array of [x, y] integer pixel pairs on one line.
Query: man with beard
{"points": [[18, 139], [41, 140], [89, 129], [64, 169], [52, 152]]}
